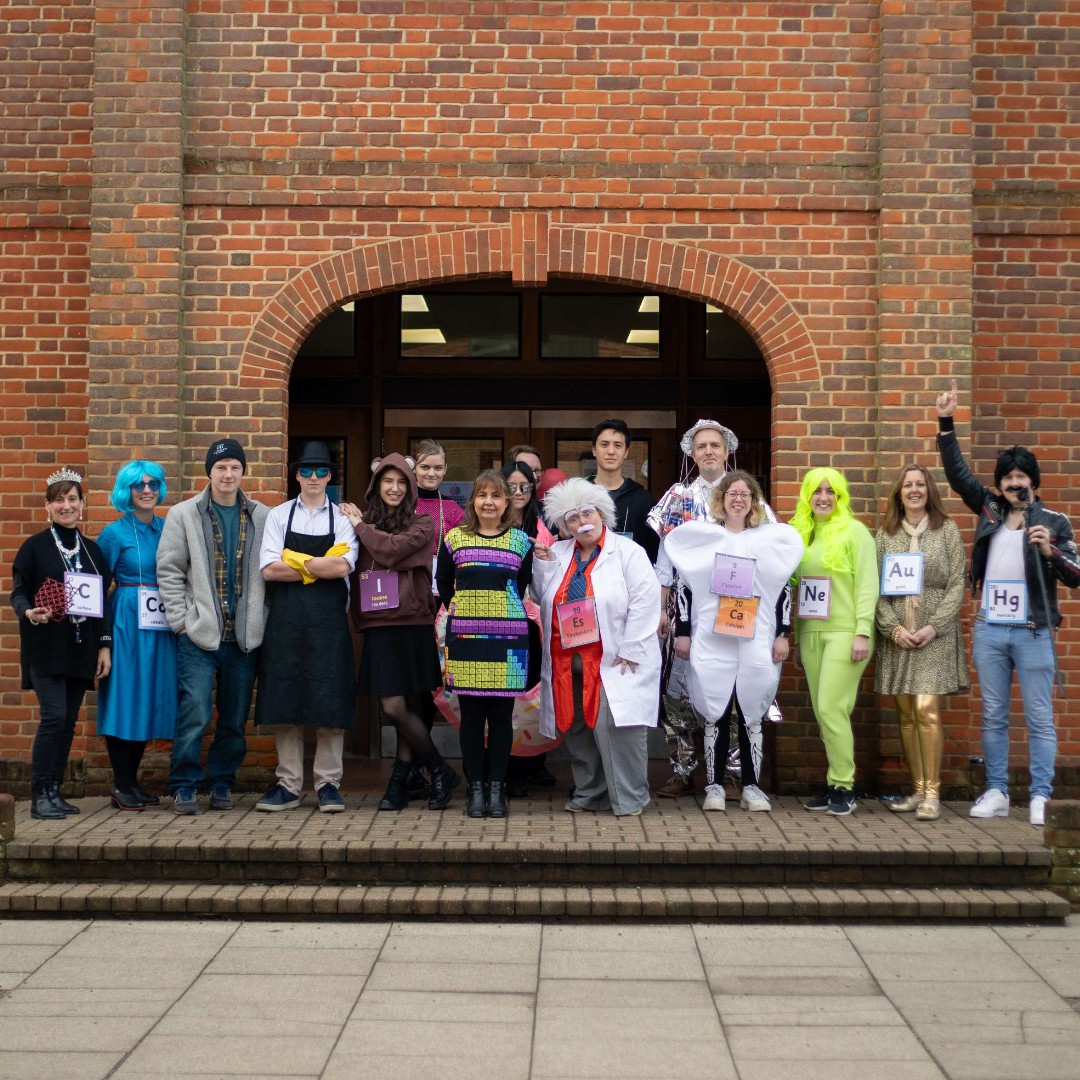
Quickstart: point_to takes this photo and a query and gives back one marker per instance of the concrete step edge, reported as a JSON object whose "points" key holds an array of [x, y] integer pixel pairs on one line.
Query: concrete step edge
{"points": [[178, 899]]}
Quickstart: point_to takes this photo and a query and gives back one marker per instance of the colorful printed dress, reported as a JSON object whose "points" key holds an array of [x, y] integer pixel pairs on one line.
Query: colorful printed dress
{"points": [[487, 632]]}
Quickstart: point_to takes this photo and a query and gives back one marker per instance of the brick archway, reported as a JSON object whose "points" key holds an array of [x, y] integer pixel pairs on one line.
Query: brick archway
{"points": [[529, 249]]}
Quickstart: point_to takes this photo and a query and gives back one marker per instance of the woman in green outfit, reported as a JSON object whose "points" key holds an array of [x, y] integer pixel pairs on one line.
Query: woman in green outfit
{"points": [[836, 600]]}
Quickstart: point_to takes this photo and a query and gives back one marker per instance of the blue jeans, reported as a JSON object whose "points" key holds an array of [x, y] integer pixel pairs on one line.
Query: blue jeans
{"points": [[998, 651], [196, 669]]}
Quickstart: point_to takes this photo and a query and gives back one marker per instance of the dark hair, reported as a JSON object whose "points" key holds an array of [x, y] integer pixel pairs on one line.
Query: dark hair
{"points": [[390, 519], [1016, 457], [531, 514], [894, 511], [59, 489], [488, 478], [611, 425]]}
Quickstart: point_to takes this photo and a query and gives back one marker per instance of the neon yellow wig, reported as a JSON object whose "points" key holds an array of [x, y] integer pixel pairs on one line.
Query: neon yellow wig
{"points": [[834, 535]]}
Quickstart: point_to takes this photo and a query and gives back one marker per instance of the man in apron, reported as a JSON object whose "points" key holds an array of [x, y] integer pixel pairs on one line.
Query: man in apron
{"points": [[306, 668]]}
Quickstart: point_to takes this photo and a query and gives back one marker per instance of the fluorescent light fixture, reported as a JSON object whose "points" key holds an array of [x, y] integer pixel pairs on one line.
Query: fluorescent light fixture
{"points": [[643, 337], [349, 306], [712, 309], [649, 304], [413, 302], [429, 335]]}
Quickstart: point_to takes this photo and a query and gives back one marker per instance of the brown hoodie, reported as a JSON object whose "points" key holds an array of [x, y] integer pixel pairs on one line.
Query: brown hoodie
{"points": [[408, 552]]}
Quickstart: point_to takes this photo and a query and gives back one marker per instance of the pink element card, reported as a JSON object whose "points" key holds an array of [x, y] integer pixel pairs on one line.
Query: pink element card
{"points": [[577, 622], [733, 576], [378, 590]]}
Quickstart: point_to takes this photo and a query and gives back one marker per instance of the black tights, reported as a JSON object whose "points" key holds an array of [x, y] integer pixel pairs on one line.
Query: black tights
{"points": [[723, 744], [125, 757], [405, 712], [497, 713]]}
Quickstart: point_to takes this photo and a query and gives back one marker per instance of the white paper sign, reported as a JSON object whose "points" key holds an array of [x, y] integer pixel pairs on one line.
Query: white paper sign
{"points": [[815, 596], [151, 610], [85, 595], [1006, 602], [901, 574], [434, 568]]}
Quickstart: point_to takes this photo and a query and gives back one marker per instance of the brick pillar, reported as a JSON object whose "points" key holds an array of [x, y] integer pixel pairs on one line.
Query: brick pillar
{"points": [[924, 241], [1062, 835], [136, 239]]}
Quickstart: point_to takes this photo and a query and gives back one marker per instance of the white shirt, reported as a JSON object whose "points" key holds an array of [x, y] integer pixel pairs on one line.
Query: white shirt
{"points": [[1005, 558], [305, 522]]}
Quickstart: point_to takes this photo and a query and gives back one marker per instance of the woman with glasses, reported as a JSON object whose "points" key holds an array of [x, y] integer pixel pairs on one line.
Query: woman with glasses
{"points": [[735, 633], [64, 633], [137, 702], [525, 505], [600, 604]]}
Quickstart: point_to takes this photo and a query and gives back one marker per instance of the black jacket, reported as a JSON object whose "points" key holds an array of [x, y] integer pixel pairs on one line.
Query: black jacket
{"points": [[1063, 565], [632, 506]]}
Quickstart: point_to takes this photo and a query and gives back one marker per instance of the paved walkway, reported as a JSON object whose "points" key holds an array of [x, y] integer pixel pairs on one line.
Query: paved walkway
{"points": [[86, 1000]]}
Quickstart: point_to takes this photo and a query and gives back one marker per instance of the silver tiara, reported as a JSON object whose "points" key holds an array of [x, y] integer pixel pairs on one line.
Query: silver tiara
{"points": [[63, 475]]}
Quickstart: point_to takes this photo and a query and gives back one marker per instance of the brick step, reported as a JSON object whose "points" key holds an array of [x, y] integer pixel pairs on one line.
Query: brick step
{"points": [[670, 903]]}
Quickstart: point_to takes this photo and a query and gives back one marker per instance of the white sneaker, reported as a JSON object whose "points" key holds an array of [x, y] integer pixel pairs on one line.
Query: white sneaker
{"points": [[754, 799], [990, 804], [714, 798], [1037, 810]]}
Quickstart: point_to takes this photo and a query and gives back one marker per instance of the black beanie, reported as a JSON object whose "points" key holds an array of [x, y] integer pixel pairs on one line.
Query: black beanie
{"points": [[225, 448]]}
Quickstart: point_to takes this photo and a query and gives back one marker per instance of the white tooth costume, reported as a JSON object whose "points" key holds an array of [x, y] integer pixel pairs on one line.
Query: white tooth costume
{"points": [[720, 664]]}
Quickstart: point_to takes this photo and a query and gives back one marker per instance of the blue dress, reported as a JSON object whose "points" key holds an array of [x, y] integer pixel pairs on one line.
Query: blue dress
{"points": [[138, 699]]}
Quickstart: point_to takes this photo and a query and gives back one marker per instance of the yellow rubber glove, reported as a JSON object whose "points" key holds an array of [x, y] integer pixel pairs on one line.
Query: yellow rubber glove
{"points": [[298, 562], [337, 550]]}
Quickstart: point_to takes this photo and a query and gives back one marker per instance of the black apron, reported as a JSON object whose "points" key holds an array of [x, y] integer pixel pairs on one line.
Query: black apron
{"points": [[306, 673]]}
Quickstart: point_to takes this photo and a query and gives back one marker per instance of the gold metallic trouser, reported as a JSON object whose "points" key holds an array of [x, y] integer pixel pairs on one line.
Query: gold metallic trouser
{"points": [[922, 739]]}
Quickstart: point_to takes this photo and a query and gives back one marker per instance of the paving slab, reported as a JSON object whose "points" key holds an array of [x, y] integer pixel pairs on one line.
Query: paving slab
{"points": [[290, 962], [320, 935], [498, 1008], [40, 931], [96, 1001], [96, 1034], [652, 995], [46, 1065], [479, 978], [168, 1055], [794, 1042], [813, 1010]]}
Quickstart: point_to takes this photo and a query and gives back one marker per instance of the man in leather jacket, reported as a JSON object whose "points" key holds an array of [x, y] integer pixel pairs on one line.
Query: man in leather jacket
{"points": [[1018, 540]]}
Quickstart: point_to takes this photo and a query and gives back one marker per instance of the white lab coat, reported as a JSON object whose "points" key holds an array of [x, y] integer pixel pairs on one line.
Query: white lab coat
{"points": [[627, 597], [720, 663]]}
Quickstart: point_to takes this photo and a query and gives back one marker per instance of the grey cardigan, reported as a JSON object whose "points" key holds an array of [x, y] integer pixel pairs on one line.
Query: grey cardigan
{"points": [[185, 571]]}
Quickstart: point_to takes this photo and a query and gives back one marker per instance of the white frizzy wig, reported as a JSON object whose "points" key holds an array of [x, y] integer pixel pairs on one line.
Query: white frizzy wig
{"points": [[575, 493]]}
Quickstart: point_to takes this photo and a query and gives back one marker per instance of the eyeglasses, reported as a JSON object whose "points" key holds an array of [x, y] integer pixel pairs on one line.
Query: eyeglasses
{"points": [[320, 472], [153, 486], [738, 496], [520, 489]]}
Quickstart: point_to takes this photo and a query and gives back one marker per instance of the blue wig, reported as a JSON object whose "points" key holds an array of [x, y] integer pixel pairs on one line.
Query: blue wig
{"points": [[132, 473]]}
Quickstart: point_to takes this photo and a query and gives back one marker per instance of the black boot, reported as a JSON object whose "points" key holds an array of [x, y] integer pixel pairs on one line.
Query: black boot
{"points": [[144, 796], [418, 785], [397, 793], [125, 800], [477, 805], [497, 799], [443, 780], [57, 799], [43, 808]]}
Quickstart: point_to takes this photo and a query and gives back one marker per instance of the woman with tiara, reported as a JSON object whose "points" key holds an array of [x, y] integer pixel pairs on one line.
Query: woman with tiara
{"points": [[60, 579]]}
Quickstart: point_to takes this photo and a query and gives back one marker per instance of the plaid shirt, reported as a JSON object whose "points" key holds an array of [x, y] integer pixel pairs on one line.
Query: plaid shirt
{"points": [[221, 572]]}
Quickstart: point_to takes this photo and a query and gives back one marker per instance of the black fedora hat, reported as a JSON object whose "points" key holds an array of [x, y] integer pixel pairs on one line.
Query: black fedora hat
{"points": [[313, 453]]}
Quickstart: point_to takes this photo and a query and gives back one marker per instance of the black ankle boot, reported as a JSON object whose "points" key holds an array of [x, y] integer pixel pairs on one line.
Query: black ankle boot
{"points": [[43, 808], [443, 780], [125, 800], [397, 792], [53, 792], [496, 799], [477, 804], [144, 796]]}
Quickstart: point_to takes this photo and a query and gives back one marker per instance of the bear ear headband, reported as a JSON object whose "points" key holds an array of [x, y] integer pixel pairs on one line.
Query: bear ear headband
{"points": [[378, 461]]}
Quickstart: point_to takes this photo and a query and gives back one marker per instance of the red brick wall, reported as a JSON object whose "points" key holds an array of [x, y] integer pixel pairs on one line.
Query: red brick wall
{"points": [[865, 185]]}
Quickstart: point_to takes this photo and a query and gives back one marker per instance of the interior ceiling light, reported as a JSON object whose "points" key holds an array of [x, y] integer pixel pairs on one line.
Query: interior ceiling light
{"points": [[643, 337], [428, 335], [649, 304], [348, 306], [712, 309], [413, 302]]}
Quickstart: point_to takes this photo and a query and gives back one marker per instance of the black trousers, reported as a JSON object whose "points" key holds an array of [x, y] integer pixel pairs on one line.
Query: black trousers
{"points": [[59, 698], [497, 715]]}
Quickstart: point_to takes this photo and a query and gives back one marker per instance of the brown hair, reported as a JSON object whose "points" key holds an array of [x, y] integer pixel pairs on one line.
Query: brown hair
{"points": [[429, 448], [894, 511], [60, 488], [757, 498], [489, 478]]}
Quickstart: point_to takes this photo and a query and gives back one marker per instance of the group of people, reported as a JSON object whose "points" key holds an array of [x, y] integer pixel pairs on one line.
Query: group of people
{"points": [[625, 612]]}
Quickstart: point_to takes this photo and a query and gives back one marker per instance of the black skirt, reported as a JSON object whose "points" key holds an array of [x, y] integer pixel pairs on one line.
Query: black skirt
{"points": [[399, 660]]}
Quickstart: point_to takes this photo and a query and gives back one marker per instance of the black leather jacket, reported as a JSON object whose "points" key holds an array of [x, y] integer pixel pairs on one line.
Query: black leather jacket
{"points": [[1063, 564]]}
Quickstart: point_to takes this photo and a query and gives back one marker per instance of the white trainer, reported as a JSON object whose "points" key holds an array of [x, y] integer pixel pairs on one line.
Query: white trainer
{"points": [[714, 798], [990, 804], [1037, 810], [754, 799]]}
